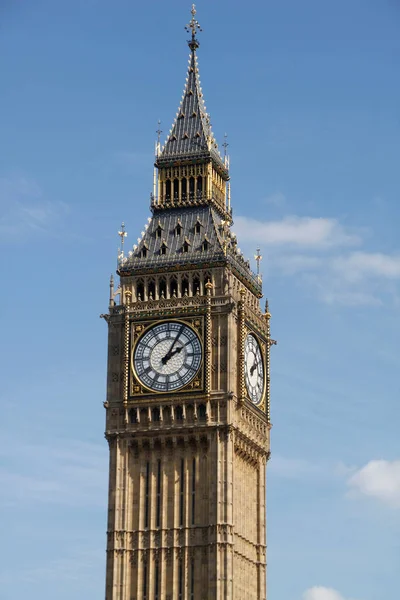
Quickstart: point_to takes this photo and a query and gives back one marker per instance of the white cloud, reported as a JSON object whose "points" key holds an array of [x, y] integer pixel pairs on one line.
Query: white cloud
{"points": [[290, 264], [306, 232], [322, 593], [360, 265], [294, 468], [276, 199], [71, 473], [379, 479], [23, 209]]}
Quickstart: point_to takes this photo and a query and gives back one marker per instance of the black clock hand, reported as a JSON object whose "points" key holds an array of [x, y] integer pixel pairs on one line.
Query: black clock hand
{"points": [[170, 352], [176, 351], [253, 368]]}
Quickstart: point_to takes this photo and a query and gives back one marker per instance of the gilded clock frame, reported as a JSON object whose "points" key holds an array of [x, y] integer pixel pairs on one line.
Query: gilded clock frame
{"points": [[263, 348], [137, 389]]}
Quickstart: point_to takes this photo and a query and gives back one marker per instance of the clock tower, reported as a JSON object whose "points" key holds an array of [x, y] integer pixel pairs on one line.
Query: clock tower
{"points": [[187, 408]]}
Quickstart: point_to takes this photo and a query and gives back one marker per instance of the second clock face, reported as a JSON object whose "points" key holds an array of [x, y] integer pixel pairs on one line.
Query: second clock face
{"points": [[167, 356], [254, 369]]}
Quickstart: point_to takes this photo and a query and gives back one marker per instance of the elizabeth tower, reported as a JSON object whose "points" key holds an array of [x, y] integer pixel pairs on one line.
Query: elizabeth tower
{"points": [[187, 409]]}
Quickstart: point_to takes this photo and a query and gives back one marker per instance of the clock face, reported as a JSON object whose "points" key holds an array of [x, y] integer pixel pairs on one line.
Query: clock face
{"points": [[254, 369], [167, 356]]}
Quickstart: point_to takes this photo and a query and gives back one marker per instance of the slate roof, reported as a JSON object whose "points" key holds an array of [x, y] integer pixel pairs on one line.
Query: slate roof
{"points": [[161, 231], [191, 135]]}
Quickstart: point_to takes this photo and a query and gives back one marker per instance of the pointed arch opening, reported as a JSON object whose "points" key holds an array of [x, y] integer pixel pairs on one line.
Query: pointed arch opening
{"points": [[199, 185], [168, 190], [185, 286], [140, 290], [202, 412], [155, 414], [173, 287], [191, 188], [184, 188], [196, 285], [162, 288], [176, 189], [151, 290]]}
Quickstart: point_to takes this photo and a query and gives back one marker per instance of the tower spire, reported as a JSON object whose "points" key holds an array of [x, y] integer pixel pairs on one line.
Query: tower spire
{"points": [[201, 173]]}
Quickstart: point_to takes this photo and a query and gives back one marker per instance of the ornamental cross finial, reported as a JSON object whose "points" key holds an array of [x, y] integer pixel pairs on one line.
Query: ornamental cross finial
{"points": [[258, 258], [225, 144], [193, 26], [122, 234], [159, 131]]}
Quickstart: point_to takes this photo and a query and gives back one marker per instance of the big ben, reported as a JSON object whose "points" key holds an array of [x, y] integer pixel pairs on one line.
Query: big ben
{"points": [[187, 408]]}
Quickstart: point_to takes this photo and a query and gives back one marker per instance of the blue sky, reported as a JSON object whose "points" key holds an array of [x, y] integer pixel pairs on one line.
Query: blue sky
{"points": [[309, 95]]}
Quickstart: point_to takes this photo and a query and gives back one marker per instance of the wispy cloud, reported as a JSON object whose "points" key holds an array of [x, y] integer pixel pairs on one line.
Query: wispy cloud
{"points": [[24, 209], [315, 251], [362, 265], [379, 479], [302, 232], [82, 565], [68, 473], [323, 593], [295, 468], [276, 199], [132, 160]]}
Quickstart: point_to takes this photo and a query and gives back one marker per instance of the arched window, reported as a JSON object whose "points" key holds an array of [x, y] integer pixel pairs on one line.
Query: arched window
{"points": [[155, 414], [202, 412], [184, 188], [179, 413], [151, 290], [173, 287], [163, 249], [133, 415], [185, 246], [205, 245], [140, 290], [191, 187], [185, 286], [168, 189], [176, 189], [196, 285], [144, 252], [162, 288], [199, 185], [178, 230]]}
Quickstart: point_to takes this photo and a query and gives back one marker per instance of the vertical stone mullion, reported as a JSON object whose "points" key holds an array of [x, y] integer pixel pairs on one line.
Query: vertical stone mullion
{"points": [[124, 517]]}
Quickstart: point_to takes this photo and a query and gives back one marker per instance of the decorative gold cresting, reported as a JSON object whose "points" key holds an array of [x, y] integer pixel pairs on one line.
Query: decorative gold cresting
{"points": [[193, 26]]}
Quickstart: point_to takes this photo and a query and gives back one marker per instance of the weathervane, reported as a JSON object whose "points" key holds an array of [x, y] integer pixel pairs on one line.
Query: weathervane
{"points": [[193, 26], [258, 258]]}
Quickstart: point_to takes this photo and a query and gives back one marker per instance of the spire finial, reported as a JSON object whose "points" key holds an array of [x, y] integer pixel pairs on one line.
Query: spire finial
{"points": [[225, 144], [122, 234], [193, 26], [258, 258], [159, 131]]}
